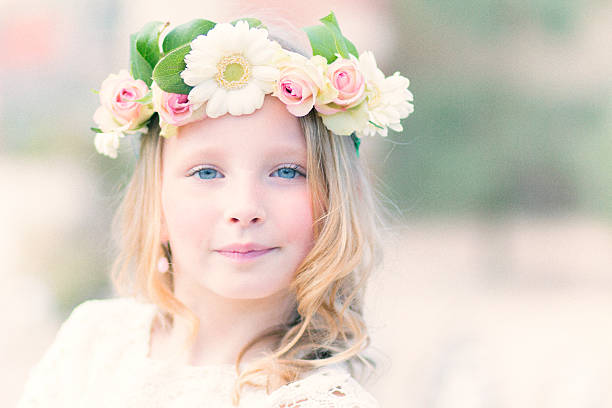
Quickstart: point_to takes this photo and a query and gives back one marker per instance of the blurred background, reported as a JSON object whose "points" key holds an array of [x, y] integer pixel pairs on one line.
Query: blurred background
{"points": [[496, 287]]}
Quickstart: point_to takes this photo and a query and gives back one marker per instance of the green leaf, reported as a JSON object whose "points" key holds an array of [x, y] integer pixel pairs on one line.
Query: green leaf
{"points": [[97, 130], [186, 33], [322, 42], [147, 41], [351, 47], [253, 22], [343, 43], [141, 69], [327, 40], [167, 72], [331, 23]]}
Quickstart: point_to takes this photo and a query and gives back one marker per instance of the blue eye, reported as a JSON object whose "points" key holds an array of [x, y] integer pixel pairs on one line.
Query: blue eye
{"points": [[287, 172], [207, 174]]}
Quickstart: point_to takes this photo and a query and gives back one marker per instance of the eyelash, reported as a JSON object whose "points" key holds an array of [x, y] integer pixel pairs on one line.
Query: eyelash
{"points": [[292, 167], [295, 167], [197, 169]]}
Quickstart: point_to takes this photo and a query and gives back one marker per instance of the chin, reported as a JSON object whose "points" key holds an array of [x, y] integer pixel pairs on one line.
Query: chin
{"points": [[253, 287], [246, 292], [259, 282]]}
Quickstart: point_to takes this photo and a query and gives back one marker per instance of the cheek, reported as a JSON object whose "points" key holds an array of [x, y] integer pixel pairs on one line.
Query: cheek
{"points": [[295, 216], [187, 220]]}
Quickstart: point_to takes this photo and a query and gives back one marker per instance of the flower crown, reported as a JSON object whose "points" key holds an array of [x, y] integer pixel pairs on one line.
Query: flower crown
{"points": [[204, 69]]}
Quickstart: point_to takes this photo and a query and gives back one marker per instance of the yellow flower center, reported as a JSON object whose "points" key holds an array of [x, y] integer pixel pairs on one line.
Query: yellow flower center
{"points": [[374, 97], [233, 72]]}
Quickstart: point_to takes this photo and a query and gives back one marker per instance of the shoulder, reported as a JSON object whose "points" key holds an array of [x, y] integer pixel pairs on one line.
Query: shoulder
{"points": [[94, 317], [118, 304], [91, 331], [95, 309], [331, 387]]}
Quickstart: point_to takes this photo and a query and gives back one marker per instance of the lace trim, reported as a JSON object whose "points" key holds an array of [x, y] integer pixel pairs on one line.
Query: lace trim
{"points": [[329, 387]]}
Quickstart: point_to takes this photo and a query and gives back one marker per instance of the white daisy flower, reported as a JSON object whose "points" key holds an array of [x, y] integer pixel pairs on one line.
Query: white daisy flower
{"points": [[388, 98], [232, 68]]}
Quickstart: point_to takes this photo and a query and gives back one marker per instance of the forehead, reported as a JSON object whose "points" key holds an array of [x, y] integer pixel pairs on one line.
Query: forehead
{"points": [[269, 129]]}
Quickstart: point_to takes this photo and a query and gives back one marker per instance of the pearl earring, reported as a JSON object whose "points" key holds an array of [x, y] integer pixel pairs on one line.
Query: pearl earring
{"points": [[163, 265]]}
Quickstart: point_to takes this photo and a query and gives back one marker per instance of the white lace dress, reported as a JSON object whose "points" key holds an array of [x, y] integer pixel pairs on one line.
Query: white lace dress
{"points": [[99, 359]]}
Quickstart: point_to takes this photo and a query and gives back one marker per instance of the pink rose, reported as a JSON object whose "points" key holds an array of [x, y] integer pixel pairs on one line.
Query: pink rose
{"points": [[118, 95], [346, 77], [297, 91], [175, 109], [299, 84]]}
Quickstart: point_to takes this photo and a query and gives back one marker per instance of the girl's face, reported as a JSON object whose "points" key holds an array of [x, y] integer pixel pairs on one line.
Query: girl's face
{"points": [[236, 204]]}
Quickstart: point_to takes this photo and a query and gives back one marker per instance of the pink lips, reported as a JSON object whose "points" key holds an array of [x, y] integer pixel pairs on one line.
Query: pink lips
{"points": [[244, 252]]}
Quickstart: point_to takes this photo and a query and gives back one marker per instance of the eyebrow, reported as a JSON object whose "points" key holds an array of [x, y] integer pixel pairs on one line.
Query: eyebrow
{"points": [[192, 154], [289, 150], [215, 151]]}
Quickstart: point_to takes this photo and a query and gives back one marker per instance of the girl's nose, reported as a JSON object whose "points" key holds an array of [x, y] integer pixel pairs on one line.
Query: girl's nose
{"points": [[245, 219], [244, 205]]}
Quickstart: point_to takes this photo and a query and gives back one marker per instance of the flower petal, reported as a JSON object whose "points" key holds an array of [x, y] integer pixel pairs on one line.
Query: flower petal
{"points": [[203, 92], [302, 108], [107, 143], [217, 105], [235, 103], [104, 119], [198, 73], [266, 73], [346, 122]]}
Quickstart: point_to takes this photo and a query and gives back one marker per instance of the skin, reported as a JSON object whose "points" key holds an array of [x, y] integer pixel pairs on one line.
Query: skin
{"points": [[229, 180]]}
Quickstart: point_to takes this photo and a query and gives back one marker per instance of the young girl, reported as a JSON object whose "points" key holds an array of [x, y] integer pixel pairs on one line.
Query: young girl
{"points": [[247, 232]]}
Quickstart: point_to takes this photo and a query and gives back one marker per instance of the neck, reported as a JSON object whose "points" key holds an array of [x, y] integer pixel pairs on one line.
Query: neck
{"points": [[226, 325]]}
